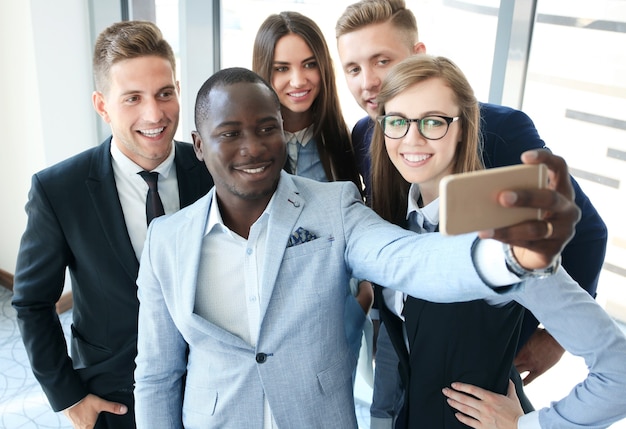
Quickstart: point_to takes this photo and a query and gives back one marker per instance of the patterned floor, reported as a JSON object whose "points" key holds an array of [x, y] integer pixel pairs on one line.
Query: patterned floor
{"points": [[24, 406], [22, 402]]}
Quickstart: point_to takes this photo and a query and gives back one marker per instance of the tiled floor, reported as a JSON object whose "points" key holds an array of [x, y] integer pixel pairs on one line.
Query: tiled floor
{"points": [[22, 402], [24, 406]]}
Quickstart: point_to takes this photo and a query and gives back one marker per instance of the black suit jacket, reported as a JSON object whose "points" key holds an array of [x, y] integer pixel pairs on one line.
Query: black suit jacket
{"points": [[75, 221]]}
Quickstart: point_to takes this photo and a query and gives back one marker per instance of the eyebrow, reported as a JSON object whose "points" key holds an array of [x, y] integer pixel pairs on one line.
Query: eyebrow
{"points": [[306, 60], [423, 115], [137, 91], [370, 58], [268, 119], [227, 124], [239, 123]]}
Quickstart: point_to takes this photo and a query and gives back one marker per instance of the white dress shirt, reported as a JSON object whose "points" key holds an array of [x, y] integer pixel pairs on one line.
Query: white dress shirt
{"points": [[133, 190], [229, 281]]}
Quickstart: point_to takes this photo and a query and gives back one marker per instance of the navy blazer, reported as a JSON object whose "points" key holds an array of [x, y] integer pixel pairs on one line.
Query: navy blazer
{"points": [[506, 133], [75, 221]]}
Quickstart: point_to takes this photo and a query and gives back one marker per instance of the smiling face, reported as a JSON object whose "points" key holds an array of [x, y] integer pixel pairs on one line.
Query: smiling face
{"points": [[419, 160], [367, 55], [141, 105], [295, 75], [242, 144]]}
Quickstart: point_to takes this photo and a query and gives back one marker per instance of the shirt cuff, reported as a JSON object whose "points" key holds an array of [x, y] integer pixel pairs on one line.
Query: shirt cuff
{"points": [[381, 423], [529, 421], [490, 262]]}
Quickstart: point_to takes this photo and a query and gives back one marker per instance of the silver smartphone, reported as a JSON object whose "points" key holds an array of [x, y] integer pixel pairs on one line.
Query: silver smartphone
{"points": [[468, 201]]}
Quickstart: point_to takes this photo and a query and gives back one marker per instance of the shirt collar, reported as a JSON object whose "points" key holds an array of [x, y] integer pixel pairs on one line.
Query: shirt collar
{"points": [[430, 211], [215, 216], [303, 136], [129, 168]]}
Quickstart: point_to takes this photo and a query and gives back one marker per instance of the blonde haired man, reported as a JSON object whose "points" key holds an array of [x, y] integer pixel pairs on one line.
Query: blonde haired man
{"points": [[373, 36]]}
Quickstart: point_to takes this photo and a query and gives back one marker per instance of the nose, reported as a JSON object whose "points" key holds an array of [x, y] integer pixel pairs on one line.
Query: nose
{"points": [[369, 80], [253, 146], [297, 78], [413, 135], [152, 111]]}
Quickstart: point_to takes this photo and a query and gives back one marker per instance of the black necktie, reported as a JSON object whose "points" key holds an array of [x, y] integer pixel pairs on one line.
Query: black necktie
{"points": [[154, 206]]}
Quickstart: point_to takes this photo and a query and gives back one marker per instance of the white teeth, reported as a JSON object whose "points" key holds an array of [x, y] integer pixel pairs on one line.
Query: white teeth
{"points": [[253, 170], [415, 158], [298, 94], [152, 133]]}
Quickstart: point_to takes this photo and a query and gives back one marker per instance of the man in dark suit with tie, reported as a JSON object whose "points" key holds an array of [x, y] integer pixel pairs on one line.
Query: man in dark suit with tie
{"points": [[89, 214]]}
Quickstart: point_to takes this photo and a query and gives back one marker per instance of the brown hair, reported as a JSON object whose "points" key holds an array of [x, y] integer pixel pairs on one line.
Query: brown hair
{"points": [[329, 127], [125, 40], [367, 12], [389, 189]]}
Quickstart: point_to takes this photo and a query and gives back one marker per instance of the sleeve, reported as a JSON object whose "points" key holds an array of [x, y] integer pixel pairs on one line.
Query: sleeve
{"points": [[507, 133], [582, 257], [416, 264], [584, 329], [161, 350], [387, 398], [361, 140], [39, 279]]}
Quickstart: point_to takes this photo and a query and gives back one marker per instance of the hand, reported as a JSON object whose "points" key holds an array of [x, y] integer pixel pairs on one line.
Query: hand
{"points": [[482, 409], [84, 414], [537, 243], [365, 295], [540, 353]]}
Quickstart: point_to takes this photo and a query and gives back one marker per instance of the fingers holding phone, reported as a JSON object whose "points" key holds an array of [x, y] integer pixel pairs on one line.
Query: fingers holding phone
{"points": [[536, 243]]}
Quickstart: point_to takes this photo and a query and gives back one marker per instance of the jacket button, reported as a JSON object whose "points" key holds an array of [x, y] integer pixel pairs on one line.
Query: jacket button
{"points": [[261, 357]]}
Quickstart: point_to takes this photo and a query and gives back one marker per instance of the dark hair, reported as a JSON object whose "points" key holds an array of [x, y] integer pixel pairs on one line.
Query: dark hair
{"points": [[329, 128], [126, 40], [226, 77]]}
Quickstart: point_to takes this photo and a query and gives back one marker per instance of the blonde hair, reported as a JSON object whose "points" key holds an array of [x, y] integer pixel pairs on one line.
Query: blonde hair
{"points": [[367, 12], [389, 189], [126, 40]]}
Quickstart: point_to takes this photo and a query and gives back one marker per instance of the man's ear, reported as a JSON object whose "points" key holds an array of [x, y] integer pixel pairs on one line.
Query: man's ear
{"points": [[99, 103], [197, 145], [419, 48]]}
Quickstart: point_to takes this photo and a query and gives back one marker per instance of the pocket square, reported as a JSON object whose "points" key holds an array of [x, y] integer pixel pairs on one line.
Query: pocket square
{"points": [[300, 236]]}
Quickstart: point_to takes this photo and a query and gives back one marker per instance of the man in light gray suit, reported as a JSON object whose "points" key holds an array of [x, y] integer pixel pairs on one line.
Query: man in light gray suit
{"points": [[242, 294]]}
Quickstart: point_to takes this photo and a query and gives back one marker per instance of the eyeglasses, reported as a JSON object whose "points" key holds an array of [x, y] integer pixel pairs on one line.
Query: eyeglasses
{"points": [[431, 127]]}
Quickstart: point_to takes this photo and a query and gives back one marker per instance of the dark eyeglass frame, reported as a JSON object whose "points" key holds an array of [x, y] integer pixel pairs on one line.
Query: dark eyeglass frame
{"points": [[420, 124]]}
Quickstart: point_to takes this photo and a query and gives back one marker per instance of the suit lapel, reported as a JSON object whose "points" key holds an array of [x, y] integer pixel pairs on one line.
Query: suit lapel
{"points": [[189, 239], [285, 212], [106, 202], [190, 175]]}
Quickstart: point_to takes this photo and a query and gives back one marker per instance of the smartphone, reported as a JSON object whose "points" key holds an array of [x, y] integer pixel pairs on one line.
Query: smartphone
{"points": [[468, 201]]}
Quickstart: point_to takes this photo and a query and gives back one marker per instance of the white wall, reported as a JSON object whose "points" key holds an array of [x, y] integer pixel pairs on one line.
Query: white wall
{"points": [[45, 112]]}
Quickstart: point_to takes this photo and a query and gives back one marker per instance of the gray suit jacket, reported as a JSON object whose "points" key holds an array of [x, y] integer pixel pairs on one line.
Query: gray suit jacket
{"points": [[301, 362]]}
